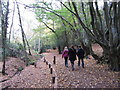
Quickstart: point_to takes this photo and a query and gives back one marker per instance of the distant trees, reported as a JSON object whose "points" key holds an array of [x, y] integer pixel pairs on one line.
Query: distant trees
{"points": [[60, 24]]}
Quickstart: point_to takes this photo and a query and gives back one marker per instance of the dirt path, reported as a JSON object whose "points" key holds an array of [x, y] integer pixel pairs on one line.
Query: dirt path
{"points": [[92, 76]]}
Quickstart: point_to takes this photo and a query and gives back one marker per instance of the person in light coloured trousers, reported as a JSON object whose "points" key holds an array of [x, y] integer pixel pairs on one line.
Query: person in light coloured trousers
{"points": [[65, 56]]}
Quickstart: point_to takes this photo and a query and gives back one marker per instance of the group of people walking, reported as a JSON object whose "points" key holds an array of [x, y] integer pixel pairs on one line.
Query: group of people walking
{"points": [[71, 53]]}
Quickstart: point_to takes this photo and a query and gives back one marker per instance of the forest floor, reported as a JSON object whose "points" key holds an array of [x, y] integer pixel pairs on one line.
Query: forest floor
{"points": [[92, 76]]}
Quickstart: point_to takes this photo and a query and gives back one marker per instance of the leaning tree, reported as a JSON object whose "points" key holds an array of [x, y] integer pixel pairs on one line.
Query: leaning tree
{"points": [[105, 29]]}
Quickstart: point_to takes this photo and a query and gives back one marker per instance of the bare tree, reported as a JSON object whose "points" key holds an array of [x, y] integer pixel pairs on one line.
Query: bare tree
{"points": [[4, 25], [12, 22], [28, 45], [23, 35]]}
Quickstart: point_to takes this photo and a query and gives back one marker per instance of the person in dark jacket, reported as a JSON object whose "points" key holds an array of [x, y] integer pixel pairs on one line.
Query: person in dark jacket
{"points": [[80, 55], [72, 56]]}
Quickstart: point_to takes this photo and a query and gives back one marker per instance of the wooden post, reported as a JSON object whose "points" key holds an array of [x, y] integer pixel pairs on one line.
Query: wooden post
{"points": [[53, 80], [35, 65], [54, 61], [46, 62], [49, 65], [51, 70]]}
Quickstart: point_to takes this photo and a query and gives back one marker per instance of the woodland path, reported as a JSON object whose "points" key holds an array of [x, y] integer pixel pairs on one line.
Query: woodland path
{"points": [[92, 76]]}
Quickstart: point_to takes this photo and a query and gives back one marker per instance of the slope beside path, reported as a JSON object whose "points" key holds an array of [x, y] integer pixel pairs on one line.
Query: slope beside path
{"points": [[31, 77]]}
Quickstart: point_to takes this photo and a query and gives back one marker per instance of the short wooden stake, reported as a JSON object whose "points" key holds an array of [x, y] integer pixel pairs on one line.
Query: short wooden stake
{"points": [[54, 61], [44, 60], [46, 63], [49, 65], [35, 65], [53, 80], [51, 70]]}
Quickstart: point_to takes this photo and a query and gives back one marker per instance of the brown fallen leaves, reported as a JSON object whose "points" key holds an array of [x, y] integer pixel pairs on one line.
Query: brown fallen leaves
{"points": [[92, 76], [30, 77]]}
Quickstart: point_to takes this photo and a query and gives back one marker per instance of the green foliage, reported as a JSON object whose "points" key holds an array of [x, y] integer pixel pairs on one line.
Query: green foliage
{"points": [[20, 69], [59, 26], [31, 62], [14, 49]]}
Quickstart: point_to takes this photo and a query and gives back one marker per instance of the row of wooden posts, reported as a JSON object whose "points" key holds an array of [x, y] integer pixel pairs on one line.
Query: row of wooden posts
{"points": [[51, 69]]}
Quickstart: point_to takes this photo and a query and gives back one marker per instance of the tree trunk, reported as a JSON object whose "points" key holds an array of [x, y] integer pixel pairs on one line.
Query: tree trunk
{"points": [[3, 47], [4, 23], [114, 59], [39, 47], [28, 45], [66, 39], [23, 35], [12, 23]]}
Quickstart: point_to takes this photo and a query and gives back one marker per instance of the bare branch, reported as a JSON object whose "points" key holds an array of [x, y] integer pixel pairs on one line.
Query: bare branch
{"points": [[68, 8], [84, 13], [85, 27], [49, 11], [12, 21], [72, 14], [23, 36], [107, 18]]}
